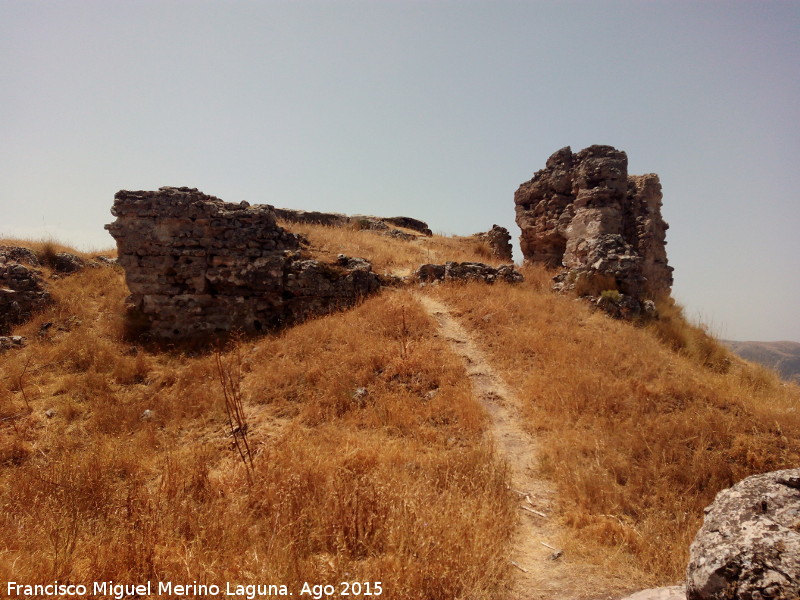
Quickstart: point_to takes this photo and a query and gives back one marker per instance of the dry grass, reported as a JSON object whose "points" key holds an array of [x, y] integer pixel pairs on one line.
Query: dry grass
{"points": [[46, 248], [369, 458], [641, 426], [390, 255]]}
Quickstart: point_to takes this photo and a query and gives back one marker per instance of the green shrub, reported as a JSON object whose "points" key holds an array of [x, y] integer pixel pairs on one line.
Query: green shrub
{"points": [[612, 295]]}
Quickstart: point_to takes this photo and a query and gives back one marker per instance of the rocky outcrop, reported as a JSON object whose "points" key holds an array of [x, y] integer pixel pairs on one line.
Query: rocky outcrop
{"points": [[467, 271], [499, 241], [584, 213], [197, 265], [400, 235], [22, 289], [749, 544], [409, 223], [360, 221], [108, 261]]}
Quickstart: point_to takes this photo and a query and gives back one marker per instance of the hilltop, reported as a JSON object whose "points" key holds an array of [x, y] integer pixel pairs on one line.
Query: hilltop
{"points": [[250, 396], [371, 452]]}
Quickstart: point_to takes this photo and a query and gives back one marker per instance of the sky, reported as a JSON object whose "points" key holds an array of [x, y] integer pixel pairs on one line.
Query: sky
{"points": [[432, 109]]}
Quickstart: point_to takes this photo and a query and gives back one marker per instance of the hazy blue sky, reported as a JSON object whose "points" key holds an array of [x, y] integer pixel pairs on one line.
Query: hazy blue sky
{"points": [[436, 110]]}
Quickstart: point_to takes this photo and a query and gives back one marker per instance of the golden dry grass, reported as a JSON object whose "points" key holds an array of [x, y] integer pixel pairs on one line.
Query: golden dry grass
{"points": [[393, 484], [46, 248], [641, 427], [390, 255]]}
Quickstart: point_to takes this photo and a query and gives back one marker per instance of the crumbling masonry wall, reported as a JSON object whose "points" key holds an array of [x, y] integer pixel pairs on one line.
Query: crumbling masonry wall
{"points": [[22, 289], [499, 241], [197, 265], [585, 214]]}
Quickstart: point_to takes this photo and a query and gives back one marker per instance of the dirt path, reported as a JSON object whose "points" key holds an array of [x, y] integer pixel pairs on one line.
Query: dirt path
{"points": [[542, 571]]}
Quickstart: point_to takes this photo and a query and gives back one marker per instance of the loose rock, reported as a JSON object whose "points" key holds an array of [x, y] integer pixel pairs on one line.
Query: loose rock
{"points": [[749, 544], [675, 592], [467, 271], [12, 342]]}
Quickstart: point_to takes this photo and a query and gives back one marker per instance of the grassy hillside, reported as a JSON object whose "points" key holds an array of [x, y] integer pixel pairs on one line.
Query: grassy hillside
{"points": [[367, 456], [784, 357], [642, 426], [392, 484]]}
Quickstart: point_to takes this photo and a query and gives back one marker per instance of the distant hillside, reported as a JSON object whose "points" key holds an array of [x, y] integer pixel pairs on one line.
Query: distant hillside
{"points": [[784, 357]]}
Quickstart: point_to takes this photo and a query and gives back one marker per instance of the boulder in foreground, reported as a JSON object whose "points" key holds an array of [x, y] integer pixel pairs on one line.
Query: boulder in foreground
{"points": [[749, 544]]}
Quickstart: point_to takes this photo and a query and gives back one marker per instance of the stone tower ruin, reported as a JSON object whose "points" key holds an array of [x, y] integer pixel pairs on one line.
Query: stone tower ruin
{"points": [[584, 214]]}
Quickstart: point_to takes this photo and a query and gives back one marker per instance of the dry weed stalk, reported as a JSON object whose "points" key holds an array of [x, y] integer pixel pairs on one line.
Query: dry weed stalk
{"points": [[63, 537], [21, 384], [404, 335], [230, 378]]}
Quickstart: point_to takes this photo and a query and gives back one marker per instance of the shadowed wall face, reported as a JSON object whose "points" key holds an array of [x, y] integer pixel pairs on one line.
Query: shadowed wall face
{"points": [[197, 265]]}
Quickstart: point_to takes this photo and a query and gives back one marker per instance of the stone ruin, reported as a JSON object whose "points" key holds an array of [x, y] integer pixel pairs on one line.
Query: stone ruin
{"points": [[196, 265], [466, 271], [22, 289], [499, 241], [584, 214]]}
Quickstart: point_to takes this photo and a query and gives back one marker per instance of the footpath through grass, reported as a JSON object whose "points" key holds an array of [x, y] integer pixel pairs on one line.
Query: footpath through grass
{"points": [[640, 426], [369, 462]]}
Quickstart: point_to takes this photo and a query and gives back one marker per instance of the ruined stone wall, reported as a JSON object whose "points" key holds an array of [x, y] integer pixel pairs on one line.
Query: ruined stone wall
{"points": [[584, 213], [499, 241], [466, 271], [22, 289], [196, 265]]}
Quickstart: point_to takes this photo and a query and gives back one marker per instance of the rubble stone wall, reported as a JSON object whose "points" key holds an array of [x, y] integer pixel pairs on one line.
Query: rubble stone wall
{"points": [[197, 265], [584, 213], [467, 271], [499, 241], [22, 289]]}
